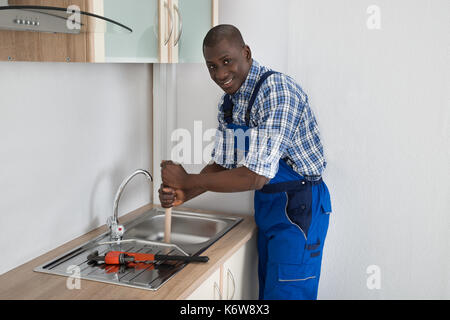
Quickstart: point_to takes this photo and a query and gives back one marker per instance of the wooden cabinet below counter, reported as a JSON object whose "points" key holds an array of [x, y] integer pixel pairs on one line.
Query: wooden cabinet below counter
{"points": [[235, 279]]}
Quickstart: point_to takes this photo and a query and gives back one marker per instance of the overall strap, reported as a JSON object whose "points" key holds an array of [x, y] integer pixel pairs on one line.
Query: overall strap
{"points": [[255, 94], [227, 108]]}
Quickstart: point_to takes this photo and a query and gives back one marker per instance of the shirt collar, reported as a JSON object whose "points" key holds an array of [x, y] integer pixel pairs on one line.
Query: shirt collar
{"points": [[249, 84]]}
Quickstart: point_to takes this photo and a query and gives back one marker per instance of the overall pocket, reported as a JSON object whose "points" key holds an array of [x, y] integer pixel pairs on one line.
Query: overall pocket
{"points": [[295, 273], [292, 282], [316, 240], [298, 208]]}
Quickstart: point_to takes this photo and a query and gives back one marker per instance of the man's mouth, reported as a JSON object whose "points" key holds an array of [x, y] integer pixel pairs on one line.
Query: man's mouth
{"points": [[227, 83]]}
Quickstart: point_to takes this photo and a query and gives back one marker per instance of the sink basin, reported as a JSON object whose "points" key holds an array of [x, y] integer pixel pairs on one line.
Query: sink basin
{"points": [[192, 233], [185, 229]]}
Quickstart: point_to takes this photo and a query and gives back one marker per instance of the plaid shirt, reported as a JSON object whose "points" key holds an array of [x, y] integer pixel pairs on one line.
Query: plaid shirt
{"points": [[282, 125]]}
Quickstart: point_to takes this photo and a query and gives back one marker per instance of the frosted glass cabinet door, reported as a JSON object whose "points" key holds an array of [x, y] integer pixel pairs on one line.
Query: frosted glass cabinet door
{"points": [[196, 18], [141, 45]]}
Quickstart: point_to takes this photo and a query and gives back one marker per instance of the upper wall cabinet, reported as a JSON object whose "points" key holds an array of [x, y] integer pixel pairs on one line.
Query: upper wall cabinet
{"points": [[142, 45], [143, 31], [192, 20]]}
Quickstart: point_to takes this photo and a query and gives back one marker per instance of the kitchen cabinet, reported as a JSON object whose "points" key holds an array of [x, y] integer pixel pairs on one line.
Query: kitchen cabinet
{"points": [[42, 46], [163, 31], [236, 279], [209, 289], [240, 281], [140, 46], [195, 17]]}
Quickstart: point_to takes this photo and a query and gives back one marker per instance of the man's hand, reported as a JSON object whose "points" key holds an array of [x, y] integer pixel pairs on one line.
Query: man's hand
{"points": [[174, 175], [170, 197]]}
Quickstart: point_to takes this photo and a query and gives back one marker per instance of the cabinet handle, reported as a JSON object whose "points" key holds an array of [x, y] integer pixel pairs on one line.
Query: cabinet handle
{"points": [[216, 287], [180, 22], [230, 275], [171, 23]]}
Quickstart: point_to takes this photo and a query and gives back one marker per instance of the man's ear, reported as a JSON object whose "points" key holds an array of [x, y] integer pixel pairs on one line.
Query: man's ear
{"points": [[247, 52]]}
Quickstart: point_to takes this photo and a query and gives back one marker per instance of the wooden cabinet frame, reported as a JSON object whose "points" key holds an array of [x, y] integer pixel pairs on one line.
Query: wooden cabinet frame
{"points": [[39, 46]]}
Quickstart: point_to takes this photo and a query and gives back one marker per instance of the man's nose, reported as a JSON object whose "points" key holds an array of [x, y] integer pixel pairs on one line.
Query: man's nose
{"points": [[222, 74]]}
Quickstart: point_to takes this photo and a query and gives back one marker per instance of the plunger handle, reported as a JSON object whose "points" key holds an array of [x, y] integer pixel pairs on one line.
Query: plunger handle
{"points": [[167, 225]]}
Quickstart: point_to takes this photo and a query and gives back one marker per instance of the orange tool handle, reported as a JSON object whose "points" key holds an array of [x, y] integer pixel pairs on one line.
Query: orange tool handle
{"points": [[119, 257]]}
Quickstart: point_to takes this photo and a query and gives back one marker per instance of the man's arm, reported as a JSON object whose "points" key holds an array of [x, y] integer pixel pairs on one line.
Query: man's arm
{"points": [[198, 190], [234, 180]]}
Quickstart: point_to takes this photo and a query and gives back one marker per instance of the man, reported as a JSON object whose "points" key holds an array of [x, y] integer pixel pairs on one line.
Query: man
{"points": [[280, 156]]}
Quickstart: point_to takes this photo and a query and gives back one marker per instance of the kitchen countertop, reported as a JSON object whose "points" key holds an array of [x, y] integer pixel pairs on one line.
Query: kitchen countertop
{"points": [[23, 283]]}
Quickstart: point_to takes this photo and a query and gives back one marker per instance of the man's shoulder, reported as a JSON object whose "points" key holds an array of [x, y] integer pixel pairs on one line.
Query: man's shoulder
{"points": [[283, 84]]}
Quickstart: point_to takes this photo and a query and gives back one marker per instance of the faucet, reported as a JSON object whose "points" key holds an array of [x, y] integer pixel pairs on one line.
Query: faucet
{"points": [[117, 230]]}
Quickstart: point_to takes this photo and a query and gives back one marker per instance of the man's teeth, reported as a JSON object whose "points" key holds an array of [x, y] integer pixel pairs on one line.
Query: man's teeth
{"points": [[228, 82]]}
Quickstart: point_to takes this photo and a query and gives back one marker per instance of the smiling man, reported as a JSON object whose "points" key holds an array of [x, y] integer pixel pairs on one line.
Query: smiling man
{"points": [[280, 156]]}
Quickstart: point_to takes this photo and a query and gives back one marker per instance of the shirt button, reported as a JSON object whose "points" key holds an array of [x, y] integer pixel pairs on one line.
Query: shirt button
{"points": [[303, 182], [303, 207]]}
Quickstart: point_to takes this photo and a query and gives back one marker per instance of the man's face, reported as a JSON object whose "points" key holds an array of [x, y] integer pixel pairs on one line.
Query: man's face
{"points": [[228, 65]]}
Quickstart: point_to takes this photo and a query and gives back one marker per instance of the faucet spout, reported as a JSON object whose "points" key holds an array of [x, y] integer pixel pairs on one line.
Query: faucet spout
{"points": [[117, 230]]}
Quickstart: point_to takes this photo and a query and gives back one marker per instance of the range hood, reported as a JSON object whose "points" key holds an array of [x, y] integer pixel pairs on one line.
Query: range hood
{"points": [[69, 20]]}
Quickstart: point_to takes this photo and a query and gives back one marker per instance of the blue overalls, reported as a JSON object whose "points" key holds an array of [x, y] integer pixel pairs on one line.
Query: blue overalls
{"points": [[292, 216]]}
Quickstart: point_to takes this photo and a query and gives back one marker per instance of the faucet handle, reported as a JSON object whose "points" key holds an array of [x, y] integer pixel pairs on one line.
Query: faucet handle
{"points": [[117, 230]]}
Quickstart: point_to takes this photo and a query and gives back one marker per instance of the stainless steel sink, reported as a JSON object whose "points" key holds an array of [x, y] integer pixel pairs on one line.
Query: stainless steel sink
{"points": [[192, 233]]}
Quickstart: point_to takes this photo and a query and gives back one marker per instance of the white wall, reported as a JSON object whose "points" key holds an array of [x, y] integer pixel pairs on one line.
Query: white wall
{"points": [[264, 24], [69, 135], [381, 99]]}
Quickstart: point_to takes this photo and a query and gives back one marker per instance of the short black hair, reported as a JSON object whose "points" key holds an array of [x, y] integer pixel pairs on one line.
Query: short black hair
{"points": [[223, 32]]}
